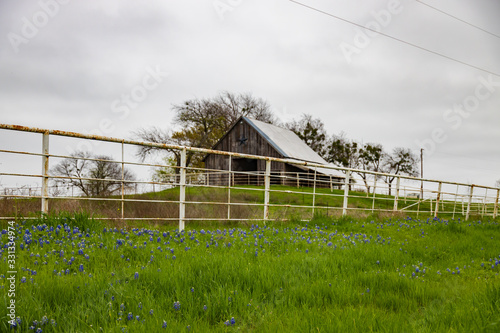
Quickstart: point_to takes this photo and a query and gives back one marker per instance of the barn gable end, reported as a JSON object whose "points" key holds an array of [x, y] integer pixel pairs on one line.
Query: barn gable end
{"points": [[248, 136]]}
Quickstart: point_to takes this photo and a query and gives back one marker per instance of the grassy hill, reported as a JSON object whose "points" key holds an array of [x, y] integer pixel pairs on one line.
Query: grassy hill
{"points": [[204, 203]]}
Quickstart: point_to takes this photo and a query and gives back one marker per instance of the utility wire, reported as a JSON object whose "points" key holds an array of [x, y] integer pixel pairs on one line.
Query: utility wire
{"points": [[394, 38], [459, 19]]}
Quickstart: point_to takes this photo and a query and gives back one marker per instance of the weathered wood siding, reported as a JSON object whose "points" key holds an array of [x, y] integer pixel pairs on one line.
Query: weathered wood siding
{"points": [[251, 172], [255, 144]]}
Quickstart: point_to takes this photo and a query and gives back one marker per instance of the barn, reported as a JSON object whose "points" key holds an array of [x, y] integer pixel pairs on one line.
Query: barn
{"points": [[253, 137]]}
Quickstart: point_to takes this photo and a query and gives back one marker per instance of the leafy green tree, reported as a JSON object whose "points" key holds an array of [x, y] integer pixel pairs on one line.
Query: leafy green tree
{"points": [[343, 152], [312, 132]]}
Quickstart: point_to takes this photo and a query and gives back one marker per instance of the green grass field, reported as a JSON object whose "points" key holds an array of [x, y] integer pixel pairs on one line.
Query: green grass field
{"points": [[327, 275]]}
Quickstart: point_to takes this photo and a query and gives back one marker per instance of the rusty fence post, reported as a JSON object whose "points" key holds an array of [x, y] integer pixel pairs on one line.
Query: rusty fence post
{"points": [[469, 203], [455, 204], [438, 197], [485, 207], [374, 191], [314, 192], [182, 192], [495, 210], [123, 178], [45, 173], [229, 176], [396, 197], [267, 184], [346, 192]]}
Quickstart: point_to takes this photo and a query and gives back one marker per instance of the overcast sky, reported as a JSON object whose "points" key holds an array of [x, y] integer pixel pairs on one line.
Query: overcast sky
{"points": [[71, 65]]}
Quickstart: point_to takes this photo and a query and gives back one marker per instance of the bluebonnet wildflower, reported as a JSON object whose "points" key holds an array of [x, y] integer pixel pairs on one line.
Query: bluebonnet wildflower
{"points": [[177, 305], [80, 268], [130, 316], [151, 312], [204, 307], [164, 325], [136, 275]]}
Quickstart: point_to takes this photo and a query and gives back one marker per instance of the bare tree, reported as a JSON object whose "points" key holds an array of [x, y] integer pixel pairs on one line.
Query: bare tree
{"points": [[370, 159], [203, 122], [93, 175], [402, 161]]}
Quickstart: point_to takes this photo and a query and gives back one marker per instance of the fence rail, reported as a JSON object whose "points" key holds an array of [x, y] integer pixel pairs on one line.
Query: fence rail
{"points": [[189, 193]]}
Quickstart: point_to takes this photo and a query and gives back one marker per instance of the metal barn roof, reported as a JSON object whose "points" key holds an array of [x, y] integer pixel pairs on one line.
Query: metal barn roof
{"points": [[289, 144]]}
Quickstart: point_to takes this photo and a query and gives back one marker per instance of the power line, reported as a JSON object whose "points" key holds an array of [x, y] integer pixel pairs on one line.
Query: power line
{"points": [[394, 38], [458, 19]]}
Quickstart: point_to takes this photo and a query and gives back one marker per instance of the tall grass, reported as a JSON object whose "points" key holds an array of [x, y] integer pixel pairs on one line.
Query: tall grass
{"points": [[246, 203], [325, 275]]}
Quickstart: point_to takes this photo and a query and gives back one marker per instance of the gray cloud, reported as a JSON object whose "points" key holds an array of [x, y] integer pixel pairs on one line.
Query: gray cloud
{"points": [[91, 53]]}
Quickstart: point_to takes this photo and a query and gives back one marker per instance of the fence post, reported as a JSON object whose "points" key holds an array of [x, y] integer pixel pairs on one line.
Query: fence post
{"points": [[346, 192], [495, 210], [267, 184], [396, 198], [455, 204], [437, 199], [298, 180], [470, 201], [45, 171], [485, 207], [182, 192], [314, 191], [374, 191], [229, 176], [123, 185]]}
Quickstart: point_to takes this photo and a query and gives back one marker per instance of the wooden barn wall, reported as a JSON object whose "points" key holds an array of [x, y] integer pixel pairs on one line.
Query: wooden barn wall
{"points": [[254, 145]]}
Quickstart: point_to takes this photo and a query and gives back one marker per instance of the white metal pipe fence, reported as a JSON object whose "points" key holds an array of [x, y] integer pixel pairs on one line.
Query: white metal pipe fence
{"points": [[280, 190]]}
